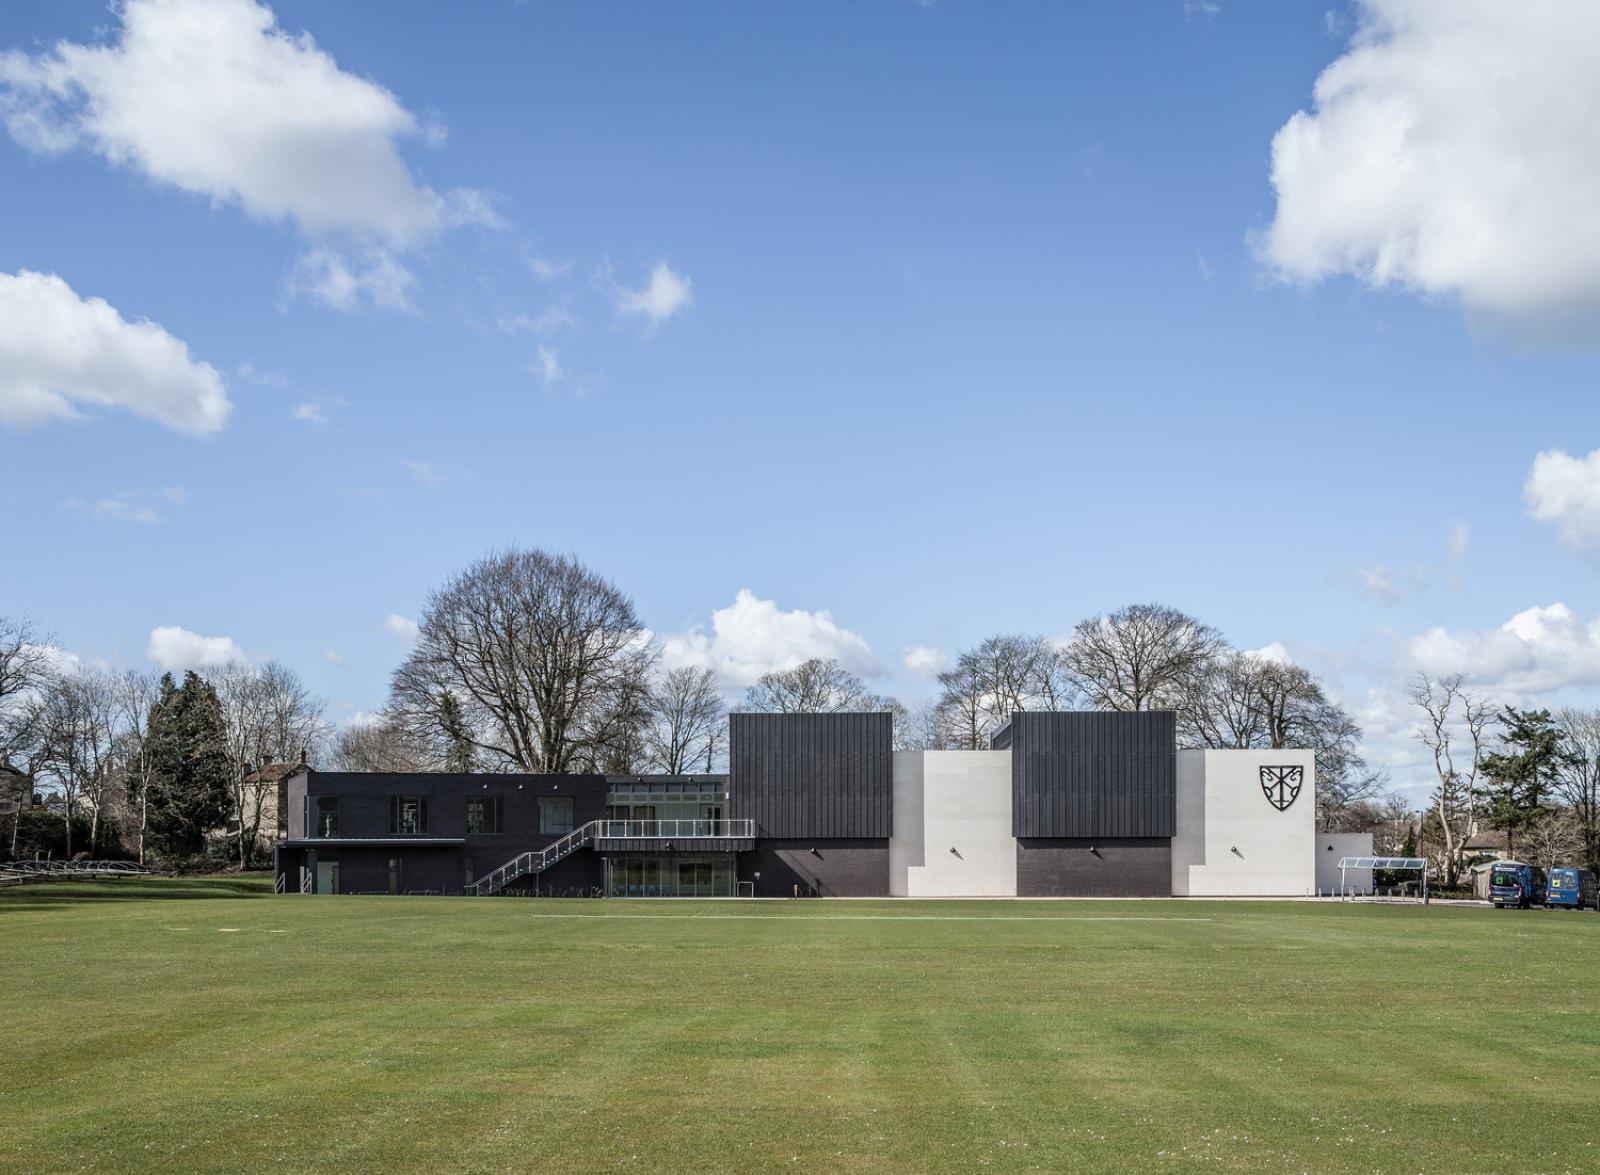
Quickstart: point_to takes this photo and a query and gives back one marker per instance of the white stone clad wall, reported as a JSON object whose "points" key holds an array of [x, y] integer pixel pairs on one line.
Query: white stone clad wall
{"points": [[1230, 840], [957, 800], [1333, 845]]}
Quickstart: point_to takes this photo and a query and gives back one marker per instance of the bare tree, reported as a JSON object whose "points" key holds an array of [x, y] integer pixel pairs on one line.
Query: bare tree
{"points": [[1578, 781], [1003, 675], [687, 719], [1555, 838], [814, 687], [923, 727], [544, 657], [270, 717], [1451, 714], [25, 670], [133, 694], [77, 720], [1142, 657], [381, 745]]}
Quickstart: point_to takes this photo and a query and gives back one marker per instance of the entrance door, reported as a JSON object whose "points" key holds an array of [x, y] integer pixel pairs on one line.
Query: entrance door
{"points": [[327, 877]]}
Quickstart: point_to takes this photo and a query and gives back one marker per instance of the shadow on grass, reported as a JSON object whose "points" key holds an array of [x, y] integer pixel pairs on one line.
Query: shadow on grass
{"points": [[141, 889]]}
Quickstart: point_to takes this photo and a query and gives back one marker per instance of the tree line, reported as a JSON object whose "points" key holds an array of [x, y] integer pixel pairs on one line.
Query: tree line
{"points": [[531, 661]]}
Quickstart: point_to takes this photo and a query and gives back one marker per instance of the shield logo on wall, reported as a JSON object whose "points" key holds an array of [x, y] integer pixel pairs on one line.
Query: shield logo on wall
{"points": [[1281, 785]]}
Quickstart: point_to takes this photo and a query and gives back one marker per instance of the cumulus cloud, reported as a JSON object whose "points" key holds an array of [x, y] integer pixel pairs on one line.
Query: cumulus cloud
{"points": [[60, 353], [402, 627], [667, 294], [1274, 651], [1565, 491], [177, 648], [1537, 651], [925, 660], [752, 636], [1454, 149], [214, 98]]}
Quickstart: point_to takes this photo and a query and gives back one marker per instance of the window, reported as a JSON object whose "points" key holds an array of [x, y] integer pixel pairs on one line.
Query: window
{"points": [[555, 814], [327, 816], [483, 815], [408, 815]]}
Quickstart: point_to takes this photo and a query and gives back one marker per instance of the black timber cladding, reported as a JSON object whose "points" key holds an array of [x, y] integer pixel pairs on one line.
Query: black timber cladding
{"points": [[812, 775], [1093, 774]]}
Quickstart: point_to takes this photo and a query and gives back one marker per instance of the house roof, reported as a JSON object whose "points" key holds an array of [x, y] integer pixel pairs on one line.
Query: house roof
{"points": [[273, 772]]}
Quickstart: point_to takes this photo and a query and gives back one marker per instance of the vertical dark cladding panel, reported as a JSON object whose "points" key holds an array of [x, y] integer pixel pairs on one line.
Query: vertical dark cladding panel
{"points": [[830, 868], [1094, 774], [812, 775]]}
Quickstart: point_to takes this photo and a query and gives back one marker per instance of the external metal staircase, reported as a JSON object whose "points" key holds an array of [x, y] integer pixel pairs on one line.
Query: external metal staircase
{"points": [[611, 832], [538, 860]]}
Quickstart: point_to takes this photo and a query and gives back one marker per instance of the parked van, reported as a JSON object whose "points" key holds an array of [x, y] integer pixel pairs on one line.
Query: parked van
{"points": [[1511, 883], [1572, 889]]}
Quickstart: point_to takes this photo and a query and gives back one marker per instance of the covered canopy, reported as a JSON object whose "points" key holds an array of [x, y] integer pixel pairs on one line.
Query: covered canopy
{"points": [[1382, 863]]}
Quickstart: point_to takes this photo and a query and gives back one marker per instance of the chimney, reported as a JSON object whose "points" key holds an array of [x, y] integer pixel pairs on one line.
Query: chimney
{"points": [[302, 756]]}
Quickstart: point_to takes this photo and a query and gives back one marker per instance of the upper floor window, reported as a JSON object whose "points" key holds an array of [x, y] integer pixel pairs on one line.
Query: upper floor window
{"points": [[484, 815], [325, 816], [555, 814], [408, 815]]}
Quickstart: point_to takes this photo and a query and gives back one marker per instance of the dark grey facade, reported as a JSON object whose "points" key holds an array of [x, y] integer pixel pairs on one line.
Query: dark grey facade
{"points": [[813, 775], [1092, 774], [1087, 867], [807, 809]]}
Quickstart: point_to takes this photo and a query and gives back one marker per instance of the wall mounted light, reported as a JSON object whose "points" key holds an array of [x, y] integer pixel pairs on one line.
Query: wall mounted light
{"points": [[814, 852], [1235, 851]]}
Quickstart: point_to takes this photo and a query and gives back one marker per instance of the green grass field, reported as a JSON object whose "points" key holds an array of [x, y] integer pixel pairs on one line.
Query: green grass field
{"points": [[208, 1026]]}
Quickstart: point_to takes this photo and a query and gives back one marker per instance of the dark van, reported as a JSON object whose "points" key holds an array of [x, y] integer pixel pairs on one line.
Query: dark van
{"points": [[1571, 889], [1511, 883]]}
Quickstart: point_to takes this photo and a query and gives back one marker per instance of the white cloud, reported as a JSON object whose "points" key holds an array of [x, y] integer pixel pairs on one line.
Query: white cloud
{"points": [[114, 510], [315, 412], [177, 648], [1274, 651], [212, 97], [1454, 149], [401, 627], [1194, 8], [546, 270], [752, 636], [553, 317], [1537, 651], [1379, 582], [925, 660], [1565, 491], [60, 352], [1460, 539], [426, 474], [547, 363], [374, 278], [250, 373], [332, 656], [666, 294]]}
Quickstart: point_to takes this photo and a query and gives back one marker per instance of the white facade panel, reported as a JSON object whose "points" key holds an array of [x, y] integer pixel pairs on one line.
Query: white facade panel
{"points": [[1232, 839], [1333, 845], [952, 825]]}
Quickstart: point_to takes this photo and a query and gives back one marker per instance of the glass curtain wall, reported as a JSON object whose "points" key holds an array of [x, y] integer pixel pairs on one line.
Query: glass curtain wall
{"points": [[670, 877], [640, 803]]}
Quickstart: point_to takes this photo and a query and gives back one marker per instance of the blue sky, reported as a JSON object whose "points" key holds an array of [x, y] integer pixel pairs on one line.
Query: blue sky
{"points": [[967, 318]]}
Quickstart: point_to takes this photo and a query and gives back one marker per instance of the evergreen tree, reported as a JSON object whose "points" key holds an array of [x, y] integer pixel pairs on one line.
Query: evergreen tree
{"points": [[458, 754], [188, 765], [1523, 774]]}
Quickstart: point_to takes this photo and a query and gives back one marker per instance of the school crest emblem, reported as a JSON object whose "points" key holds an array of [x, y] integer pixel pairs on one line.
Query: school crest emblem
{"points": [[1281, 785]]}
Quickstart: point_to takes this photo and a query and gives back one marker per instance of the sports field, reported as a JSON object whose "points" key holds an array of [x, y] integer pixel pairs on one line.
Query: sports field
{"points": [[208, 1026]]}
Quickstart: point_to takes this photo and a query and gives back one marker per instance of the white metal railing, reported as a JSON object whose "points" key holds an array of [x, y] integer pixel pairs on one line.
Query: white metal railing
{"points": [[76, 868], [538, 860], [666, 829]]}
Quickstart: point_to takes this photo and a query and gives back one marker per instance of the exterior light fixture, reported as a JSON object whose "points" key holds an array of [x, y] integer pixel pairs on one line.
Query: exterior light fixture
{"points": [[814, 852]]}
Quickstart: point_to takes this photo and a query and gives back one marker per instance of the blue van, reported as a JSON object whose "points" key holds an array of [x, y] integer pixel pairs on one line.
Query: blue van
{"points": [[1572, 889], [1511, 883]]}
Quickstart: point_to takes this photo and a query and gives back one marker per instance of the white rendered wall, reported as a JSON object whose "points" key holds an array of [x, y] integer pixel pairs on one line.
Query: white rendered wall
{"points": [[1231, 841], [1333, 845], [946, 800]]}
